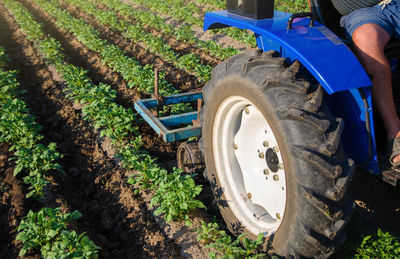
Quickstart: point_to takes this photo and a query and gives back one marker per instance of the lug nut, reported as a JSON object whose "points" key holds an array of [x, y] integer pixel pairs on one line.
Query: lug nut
{"points": [[276, 177], [246, 110], [278, 216], [265, 143], [280, 166], [249, 195], [261, 155], [235, 146], [266, 171], [276, 149]]}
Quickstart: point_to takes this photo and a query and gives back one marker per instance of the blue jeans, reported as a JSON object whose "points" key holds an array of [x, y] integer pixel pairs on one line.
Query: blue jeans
{"points": [[387, 17]]}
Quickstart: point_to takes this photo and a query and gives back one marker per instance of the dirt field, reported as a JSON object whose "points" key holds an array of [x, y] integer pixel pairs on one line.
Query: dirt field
{"points": [[116, 219]]}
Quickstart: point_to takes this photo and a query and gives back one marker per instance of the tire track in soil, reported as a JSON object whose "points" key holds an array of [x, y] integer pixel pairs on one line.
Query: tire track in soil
{"points": [[113, 217], [80, 55]]}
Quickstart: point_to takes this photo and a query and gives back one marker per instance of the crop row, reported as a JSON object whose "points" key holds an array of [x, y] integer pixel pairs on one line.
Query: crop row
{"points": [[19, 129], [137, 33], [174, 193], [291, 6], [46, 229], [219, 4], [137, 76], [186, 12], [181, 33]]}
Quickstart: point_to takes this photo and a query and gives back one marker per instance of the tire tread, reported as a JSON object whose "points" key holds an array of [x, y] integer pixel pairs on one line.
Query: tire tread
{"points": [[297, 101]]}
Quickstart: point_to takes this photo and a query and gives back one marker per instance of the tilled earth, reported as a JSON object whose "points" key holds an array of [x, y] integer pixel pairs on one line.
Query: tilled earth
{"points": [[113, 217]]}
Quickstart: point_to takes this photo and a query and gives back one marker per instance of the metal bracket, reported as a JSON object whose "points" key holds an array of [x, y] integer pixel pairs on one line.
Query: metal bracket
{"points": [[197, 122], [156, 95]]}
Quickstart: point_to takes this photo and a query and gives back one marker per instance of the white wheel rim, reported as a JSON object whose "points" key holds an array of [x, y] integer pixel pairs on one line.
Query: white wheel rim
{"points": [[241, 136]]}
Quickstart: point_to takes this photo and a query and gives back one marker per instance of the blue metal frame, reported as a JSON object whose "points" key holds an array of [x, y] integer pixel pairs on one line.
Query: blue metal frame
{"points": [[330, 61], [323, 53], [162, 125]]}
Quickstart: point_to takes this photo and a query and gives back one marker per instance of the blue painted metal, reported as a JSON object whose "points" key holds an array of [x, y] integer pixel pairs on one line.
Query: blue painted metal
{"points": [[325, 55], [330, 61], [176, 120], [349, 106], [161, 125], [174, 99]]}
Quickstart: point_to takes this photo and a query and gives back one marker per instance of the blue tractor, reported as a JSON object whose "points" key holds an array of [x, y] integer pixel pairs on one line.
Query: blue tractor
{"points": [[282, 128]]}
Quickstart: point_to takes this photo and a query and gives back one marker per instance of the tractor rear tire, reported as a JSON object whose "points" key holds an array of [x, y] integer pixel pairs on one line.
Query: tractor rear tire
{"points": [[274, 157]]}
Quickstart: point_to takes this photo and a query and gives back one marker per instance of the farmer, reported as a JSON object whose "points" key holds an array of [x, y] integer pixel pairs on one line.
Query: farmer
{"points": [[371, 24]]}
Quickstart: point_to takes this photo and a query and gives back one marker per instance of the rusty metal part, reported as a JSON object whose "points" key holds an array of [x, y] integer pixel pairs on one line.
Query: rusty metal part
{"points": [[159, 98], [196, 123]]}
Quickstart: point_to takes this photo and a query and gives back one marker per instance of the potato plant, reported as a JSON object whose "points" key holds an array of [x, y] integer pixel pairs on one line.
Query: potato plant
{"points": [[19, 129], [380, 245], [154, 44], [137, 76], [116, 123], [175, 194], [220, 241], [181, 32], [189, 14], [47, 231]]}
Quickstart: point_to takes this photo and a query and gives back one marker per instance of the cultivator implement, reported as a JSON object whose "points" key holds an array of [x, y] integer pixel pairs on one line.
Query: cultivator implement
{"points": [[175, 127]]}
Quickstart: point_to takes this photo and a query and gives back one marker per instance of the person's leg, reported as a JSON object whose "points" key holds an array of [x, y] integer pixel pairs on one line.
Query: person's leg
{"points": [[369, 43]]}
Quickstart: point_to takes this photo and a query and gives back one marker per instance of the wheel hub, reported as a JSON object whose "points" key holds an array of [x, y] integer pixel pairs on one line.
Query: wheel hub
{"points": [[272, 160]]}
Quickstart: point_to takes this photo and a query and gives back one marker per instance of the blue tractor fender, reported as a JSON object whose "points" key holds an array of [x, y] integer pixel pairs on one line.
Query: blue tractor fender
{"points": [[330, 61]]}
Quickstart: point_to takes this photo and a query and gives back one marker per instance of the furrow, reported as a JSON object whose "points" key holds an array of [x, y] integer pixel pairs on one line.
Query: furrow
{"points": [[189, 14], [135, 32], [183, 34]]}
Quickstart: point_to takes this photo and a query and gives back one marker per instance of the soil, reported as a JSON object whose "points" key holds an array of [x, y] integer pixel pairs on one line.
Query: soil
{"points": [[12, 205], [79, 55], [113, 217], [179, 78], [219, 38]]}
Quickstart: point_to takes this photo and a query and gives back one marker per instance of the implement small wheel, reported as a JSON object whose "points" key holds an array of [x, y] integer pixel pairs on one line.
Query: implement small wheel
{"points": [[190, 158], [273, 156]]}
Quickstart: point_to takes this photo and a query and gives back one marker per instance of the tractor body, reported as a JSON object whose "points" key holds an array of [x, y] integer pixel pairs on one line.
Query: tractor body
{"points": [[282, 128], [330, 61]]}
